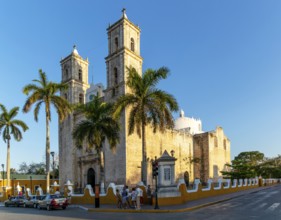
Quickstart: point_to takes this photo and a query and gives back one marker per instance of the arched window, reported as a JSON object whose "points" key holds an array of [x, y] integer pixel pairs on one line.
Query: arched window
{"points": [[116, 43], [66, 73], [216, 141], [215, 170], [132, 44], [115, 76], [65, 96], [80, 74], [81, 99]]}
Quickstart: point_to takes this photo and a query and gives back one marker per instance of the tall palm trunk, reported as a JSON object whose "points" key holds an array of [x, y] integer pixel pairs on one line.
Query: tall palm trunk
{"points": [[47, 154], [8, 163], [143, 163]]}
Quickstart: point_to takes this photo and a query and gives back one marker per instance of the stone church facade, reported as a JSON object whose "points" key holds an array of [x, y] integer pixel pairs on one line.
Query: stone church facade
{"points": [[123, 166]]}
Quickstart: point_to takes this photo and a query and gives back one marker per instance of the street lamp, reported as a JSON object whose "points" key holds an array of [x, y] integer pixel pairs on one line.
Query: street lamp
{"points": [[53, 154], [155, 174], [30, 184], [2, 174], [14, 185]]}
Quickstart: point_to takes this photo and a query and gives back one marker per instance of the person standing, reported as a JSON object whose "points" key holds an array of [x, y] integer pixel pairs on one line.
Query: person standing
{"points": [[134, 198], [119, 199], [148, 194], [128, 197], [124, 197], [139, 193]]}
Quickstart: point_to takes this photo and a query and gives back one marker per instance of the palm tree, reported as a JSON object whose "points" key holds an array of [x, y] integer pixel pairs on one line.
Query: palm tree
{"points": [[148, 105], [45, 92], [9, 126], [97, 126]]}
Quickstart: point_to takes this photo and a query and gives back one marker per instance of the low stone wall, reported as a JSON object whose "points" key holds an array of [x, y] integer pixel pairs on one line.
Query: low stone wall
{"points": [[89, 197], [184, 194], [166, 198], [224, 187]]}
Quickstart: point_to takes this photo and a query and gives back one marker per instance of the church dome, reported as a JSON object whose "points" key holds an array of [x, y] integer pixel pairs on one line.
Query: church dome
{"points": [[192, 125]]}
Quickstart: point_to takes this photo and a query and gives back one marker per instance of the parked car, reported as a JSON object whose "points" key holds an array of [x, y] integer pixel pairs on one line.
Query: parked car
{"points": [[33, 201], [15, 201], [53, 201]]}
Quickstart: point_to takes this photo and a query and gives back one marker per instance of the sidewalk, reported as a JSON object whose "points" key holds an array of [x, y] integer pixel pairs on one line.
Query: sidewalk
{"points": [[189, 206]]}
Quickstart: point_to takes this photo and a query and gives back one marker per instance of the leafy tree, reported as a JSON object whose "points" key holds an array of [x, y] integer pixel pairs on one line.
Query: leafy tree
{"points": [[251, 158], [13, 171], [23, 168], [147, 105], [32, 168], [97, 126], [245, 165], [270, 168], [10, 126], [45, 92]]}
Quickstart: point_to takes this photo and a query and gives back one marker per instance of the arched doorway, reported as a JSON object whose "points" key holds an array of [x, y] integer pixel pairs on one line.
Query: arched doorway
{"points": [[91, 178]]}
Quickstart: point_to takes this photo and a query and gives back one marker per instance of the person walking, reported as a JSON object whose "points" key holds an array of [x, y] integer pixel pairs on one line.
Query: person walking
{"points": [[148, 194]]}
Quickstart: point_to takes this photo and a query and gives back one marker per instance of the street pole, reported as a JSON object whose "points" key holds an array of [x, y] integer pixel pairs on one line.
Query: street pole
{"points": [[2, 174], [31, 184], [53, 154], [155, 174], [156, 192]]}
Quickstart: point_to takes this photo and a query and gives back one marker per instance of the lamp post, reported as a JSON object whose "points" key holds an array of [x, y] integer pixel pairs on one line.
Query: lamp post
{"points": [[2, 174], [53, 155], [14, 185], [30, 184], [155, 175]]}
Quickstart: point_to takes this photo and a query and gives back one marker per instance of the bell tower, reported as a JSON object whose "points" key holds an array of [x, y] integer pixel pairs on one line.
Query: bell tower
{"points": [[123, 52], [74, 71]]}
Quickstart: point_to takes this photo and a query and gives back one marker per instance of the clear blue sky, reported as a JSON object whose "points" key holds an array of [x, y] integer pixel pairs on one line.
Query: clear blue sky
{"points": [[224, 57]]}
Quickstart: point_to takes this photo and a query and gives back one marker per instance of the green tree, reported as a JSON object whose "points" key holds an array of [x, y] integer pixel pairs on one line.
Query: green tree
{"points": [[44, 92], [270, 167], [245, 165], [10, 126], [147, 105], [32, 168], [97, 126]]}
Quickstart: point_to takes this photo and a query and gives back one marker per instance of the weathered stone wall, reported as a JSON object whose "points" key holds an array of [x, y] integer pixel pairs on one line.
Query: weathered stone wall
{"points": [[219, 153], [156, 144], [213, 150], [201, 152]]}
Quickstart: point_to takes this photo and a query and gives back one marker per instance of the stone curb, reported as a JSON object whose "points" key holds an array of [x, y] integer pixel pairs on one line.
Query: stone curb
{"points": [[160, 210]]}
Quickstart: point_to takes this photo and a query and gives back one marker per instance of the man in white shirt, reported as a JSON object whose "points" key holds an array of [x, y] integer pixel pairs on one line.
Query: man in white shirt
{"points": [[139, 194]]}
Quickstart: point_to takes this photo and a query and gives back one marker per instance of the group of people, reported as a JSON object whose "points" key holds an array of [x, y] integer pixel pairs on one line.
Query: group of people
{"points": [[127, 199]]}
